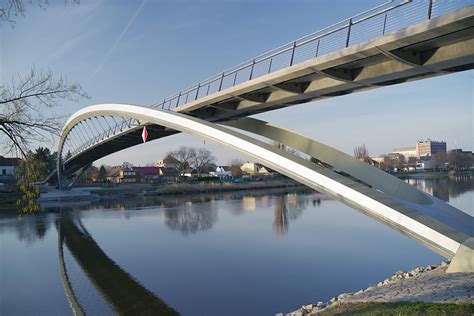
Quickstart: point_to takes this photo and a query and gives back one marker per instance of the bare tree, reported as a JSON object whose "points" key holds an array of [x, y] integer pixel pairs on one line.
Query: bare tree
{"points": [[11, 9], [185, 155], [23, 101], [235, 167], [203, 158], [361, 152]]}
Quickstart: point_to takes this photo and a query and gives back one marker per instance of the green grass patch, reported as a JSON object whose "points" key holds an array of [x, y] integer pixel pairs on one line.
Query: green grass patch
{"points": [[400, 308]]}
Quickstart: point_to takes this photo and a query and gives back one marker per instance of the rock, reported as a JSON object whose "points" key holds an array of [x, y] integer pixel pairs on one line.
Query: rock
{"points": [[320, 305], [379, 284], [308, 307], [334, 299], [430, 267], [341, 296]]}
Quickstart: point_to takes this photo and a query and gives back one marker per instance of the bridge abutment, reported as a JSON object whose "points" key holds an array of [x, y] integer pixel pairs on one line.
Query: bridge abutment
{"points": [[463, 260]]}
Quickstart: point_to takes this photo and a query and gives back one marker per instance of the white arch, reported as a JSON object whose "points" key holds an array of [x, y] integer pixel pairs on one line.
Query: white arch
{"points": [[432, 233]]}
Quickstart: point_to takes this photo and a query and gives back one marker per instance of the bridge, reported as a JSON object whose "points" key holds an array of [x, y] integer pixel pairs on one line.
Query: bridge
{"points": [[393, 43]]}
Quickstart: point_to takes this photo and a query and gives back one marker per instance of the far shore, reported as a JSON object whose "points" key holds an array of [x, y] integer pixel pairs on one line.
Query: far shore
{"points": [[115, 191]]}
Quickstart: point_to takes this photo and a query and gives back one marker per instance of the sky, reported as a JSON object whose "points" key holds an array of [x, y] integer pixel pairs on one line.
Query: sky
{"points": [[139, 52]]}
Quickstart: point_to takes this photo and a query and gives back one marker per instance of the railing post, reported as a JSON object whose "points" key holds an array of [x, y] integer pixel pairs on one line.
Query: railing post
{"points": [[349, 32], [430, 8], [293, 54], [179, 96], [317, 49], [235, 78], [384, 24], [270, 65], [251, 69], [197, 91], [220, 84]]}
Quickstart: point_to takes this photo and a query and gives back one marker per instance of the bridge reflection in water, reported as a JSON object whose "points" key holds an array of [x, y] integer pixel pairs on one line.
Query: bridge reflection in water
{"points": [[124, 294]]}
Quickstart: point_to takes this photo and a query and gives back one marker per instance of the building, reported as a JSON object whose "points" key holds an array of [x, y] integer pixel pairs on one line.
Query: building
{"points": [[407, 152], [167, 174], [8, 166], [222, 172], [122, 175], [429, 148], [250, 168], [253, 168], [168, 162], [424, 165], [147, 174]]}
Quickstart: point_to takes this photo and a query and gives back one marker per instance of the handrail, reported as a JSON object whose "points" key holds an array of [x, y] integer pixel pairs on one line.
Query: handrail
{"points": [[276, 51]]}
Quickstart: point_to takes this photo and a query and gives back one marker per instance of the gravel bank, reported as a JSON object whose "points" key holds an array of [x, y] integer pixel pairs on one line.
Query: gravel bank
{"points": [[425, 284]]}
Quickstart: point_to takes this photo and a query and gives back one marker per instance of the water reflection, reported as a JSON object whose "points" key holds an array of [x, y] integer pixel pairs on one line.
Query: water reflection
{"points": [[191, 218], [124, 294], [444, 187], [29, 229], [290, 207]]}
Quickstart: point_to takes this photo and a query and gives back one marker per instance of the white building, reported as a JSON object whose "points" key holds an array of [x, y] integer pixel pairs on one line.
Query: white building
{"points": [[222, 172], [407, 152], [8, 166]]}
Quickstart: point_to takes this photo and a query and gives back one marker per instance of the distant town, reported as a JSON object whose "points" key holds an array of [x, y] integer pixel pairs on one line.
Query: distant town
{"points": [[426, 155], [188, 164]]}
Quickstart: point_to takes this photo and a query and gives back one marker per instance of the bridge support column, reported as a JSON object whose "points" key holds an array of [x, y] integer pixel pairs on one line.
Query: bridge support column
{"points": [[463, 260]]}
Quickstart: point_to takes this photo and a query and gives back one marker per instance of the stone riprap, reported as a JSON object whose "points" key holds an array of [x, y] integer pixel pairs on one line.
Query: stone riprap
{"points": [[425, 284]]}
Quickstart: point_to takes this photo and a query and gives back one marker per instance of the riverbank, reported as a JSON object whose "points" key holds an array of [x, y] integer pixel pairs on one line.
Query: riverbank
{"points": [[190, 188], [422, 291]]}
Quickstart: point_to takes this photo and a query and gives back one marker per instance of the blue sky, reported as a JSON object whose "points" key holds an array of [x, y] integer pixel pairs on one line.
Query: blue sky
{"points": [[139, 52]]}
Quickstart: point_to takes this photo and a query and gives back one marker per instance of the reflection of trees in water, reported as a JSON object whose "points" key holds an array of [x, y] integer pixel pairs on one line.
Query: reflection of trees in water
{"points": [[280, 223], [289, 207], [29, 228], [191, 218], [444, 187]]}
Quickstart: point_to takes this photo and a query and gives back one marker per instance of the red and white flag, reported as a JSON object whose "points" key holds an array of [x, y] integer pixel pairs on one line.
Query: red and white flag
{"points": [[144, 134]]}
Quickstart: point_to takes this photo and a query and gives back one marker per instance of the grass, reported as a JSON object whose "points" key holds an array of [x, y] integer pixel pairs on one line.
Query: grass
{"points": [[401, 308]]}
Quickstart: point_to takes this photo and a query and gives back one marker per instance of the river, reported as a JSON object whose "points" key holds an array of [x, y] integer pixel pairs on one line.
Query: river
{"points": [[241, 253]]}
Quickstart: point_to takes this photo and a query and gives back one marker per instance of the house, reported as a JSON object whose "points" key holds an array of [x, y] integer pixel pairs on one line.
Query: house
{"points": [[190, 173], [207, 170], [167, 174], [424, 165], [122, 175], [222, 172], [266, 171], [147, 174], [253, 168], [168, 162], [8, 166], [113, 175], [249, 167]]}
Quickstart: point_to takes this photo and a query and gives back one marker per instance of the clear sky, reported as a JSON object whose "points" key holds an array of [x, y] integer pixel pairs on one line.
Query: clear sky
{"points": [[139, 52]]}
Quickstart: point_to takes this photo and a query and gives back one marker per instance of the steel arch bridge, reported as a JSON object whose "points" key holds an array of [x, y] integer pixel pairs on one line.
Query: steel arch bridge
{"points": [[396, 42]]}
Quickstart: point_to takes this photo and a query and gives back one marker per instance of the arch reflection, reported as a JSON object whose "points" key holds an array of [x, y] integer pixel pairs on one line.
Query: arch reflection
{"points": [[122, 292]]}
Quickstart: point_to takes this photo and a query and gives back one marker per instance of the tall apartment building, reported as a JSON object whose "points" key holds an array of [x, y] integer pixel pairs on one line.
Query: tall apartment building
{"points": [[429, 148]]}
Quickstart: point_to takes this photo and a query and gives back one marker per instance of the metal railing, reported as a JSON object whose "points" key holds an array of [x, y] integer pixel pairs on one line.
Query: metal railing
{"points": [[385, 18]]}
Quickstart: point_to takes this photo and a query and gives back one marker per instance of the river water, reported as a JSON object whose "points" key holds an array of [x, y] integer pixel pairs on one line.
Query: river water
{"points": [[244, 253]]}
